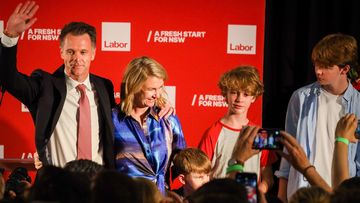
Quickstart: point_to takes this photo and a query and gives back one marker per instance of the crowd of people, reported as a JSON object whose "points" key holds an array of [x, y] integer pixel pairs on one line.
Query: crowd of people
{"points": [[90, 149]]}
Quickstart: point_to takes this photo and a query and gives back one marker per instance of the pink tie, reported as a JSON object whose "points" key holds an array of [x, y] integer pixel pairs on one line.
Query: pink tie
{"points": [[84, 126]]}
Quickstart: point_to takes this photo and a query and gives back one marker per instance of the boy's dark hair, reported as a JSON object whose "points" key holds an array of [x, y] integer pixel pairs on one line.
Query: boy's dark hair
{"points": [[87, 167], [20, 173], [112, 186], [59, 185], [310, 194], [17, 182], [78, 28], [224, 188], [347, 191]]}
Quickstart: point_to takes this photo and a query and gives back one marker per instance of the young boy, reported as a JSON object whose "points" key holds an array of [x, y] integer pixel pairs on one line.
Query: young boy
{"points": [[240, 87], [314, 110], [193, 168]]}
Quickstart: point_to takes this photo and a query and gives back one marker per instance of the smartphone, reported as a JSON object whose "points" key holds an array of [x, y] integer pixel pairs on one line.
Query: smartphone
{"points": [[268, 138], [249, 180]]}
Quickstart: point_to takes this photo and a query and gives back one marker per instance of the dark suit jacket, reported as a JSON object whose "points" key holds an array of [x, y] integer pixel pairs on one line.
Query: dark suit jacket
{"points": [[44, 95]]}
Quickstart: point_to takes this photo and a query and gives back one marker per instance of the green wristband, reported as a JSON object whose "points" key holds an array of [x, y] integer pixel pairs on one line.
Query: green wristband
{"points": [[235, 167], [342, 139]]}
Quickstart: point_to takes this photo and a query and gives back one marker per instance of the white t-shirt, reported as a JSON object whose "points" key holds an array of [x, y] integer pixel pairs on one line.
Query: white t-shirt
{"points": [[329, 113]]}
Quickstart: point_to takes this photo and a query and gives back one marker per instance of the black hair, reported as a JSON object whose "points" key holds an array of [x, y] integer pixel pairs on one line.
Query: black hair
{"points": [[78, 28]]}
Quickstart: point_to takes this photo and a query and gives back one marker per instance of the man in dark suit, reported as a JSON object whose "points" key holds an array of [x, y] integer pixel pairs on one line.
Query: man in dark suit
{"points": [[52, 99]]}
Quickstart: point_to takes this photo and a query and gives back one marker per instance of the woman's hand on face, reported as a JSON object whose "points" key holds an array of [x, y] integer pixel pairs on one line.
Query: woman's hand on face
{"points": [[166, 110]]}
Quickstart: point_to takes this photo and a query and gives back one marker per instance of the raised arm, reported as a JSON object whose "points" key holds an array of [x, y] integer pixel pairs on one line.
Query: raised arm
{"points": [[243, 148], [17, 84], [297, 157], [21, 19], [345, 130]]}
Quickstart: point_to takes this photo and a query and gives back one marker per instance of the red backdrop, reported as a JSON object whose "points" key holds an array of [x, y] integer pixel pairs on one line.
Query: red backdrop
{"points": [[196, 41]]}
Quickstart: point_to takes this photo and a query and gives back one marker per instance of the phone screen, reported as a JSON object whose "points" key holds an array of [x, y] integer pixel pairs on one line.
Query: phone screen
{"points": [[249, 180], [267, 139]]}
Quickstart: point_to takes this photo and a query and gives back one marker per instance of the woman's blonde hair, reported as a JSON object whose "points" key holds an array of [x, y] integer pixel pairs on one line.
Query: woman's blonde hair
{"points": [[136, 73]]}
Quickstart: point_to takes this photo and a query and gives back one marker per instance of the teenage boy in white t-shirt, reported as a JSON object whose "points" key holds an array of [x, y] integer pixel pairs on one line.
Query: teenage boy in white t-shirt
{"points": [[314, 110]]}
